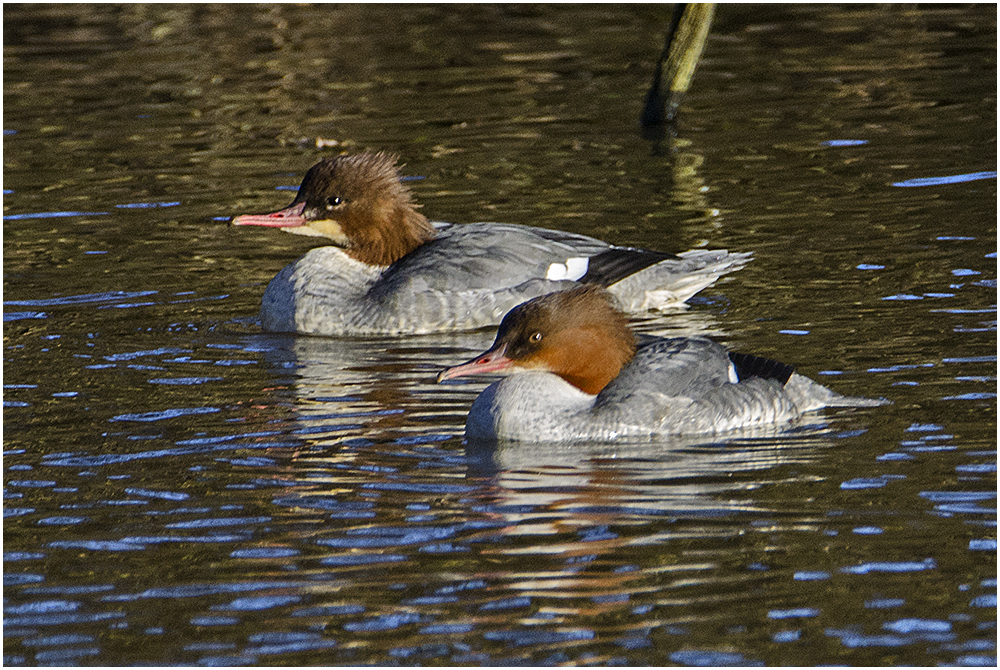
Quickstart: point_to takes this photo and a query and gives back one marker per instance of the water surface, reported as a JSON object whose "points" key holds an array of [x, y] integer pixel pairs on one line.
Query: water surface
{"points": [[180, 488]]}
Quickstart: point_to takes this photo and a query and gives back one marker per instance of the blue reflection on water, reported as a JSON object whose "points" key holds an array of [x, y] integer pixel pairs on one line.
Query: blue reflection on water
{"points": [[104, 296], [148, 205], [712, 659], [843, 143], [950, 179], [891, 566], [49, 215]]}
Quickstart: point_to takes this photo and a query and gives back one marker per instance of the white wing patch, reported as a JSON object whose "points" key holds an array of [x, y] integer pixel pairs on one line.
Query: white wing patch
{"points": [[734, 378], [571, 270]]}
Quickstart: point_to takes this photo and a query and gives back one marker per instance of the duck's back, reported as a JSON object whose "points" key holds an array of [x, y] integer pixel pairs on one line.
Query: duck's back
{"points": [[691, 385], [694, 385], [486, 255], [475, 273]]}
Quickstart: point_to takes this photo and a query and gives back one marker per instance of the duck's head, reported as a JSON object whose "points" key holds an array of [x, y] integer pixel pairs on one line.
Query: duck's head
{"points": [[579, 334], [359, 203]]}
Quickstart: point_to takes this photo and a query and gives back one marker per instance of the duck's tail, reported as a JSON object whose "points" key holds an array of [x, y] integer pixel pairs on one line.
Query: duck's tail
{"points": [[808, 395], [670, 282]]}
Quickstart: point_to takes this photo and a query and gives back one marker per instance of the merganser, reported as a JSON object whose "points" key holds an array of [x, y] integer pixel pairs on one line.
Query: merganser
{"points": [[393, 272], [577, 373]]}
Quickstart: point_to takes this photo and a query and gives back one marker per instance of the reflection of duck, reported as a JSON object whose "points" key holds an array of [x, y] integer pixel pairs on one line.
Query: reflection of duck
{"points": [[679, 474], [392, 272], [580, 376]]}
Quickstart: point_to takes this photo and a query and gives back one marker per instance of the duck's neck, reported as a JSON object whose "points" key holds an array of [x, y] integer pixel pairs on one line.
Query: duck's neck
{"points": [[383, 245], [588, 358]]}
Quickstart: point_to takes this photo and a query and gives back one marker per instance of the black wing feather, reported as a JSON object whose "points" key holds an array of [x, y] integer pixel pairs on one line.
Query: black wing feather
{"points": [[757, 366], [616, 263]]}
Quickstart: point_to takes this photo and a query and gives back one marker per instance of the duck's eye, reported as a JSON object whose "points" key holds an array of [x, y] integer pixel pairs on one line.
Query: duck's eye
{"points": [[535, 337], [334, 201]]}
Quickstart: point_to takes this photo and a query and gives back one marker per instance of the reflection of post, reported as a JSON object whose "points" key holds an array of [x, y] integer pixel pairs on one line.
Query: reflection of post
{"points": [[682, 48], [688, 186]]}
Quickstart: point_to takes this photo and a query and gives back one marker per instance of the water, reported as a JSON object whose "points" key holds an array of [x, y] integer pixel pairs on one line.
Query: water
{"points": [[183, 489]]}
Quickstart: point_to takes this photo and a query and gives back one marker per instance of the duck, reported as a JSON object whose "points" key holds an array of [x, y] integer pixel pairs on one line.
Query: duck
{"points": [[575, 371], [390, 272]]}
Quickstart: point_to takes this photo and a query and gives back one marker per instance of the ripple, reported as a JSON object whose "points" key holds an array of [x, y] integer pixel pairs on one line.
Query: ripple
{"points": [[891, 566], [20, 316], [265, 552], [42, 607], [529, 636], [60, 619], [147, 417], [795, 613], [162, 495], [31, 483], [843, 143], [884, 603], [107, 296], [223, 522], [384, 622], [184, 381], [806, 576], [59, 656], [867, 530], [446, 629], [50, 215], [711, 659], [148, 205], [214, 621], [853, 640], [864, 483], [971, 396], [326, 503], [53, 640], [948, 179], [257, 603], [387, 537], [329, 610], [62, 520], [917, 626], [266, 644], [362, 559], [95, 545], [199, 590], [988, 600]]}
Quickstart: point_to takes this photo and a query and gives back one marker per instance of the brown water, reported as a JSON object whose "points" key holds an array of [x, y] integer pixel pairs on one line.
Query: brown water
{"points": [[180, 488]]}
